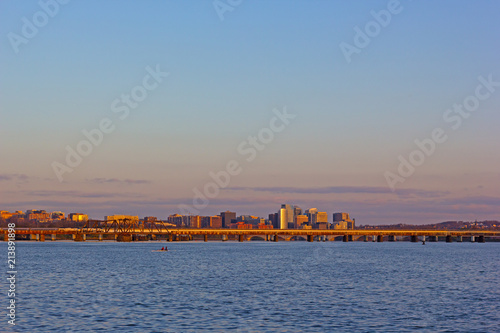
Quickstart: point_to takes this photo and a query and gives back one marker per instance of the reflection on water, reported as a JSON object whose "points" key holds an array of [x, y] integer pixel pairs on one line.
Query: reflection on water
{"points": [[257, 287]]}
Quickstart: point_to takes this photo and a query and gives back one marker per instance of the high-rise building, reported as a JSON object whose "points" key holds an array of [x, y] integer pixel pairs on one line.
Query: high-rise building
{"points": [[283, 218], [296, 212], [289, 216], [227, 218], [275, 218], [321, 220], [312, 215]]}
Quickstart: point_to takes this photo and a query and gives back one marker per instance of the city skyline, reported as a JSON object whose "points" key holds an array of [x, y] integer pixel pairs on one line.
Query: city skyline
{"points": [[182, 106]]}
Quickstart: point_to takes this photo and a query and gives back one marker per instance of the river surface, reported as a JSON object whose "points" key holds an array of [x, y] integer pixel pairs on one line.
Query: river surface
{"points": [[256, 287]]}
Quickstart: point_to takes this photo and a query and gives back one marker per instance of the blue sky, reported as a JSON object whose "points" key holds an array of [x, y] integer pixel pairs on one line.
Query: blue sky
{"points": [[352, 121]]}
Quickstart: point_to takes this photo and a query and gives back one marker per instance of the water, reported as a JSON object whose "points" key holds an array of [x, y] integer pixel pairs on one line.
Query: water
{"points": [[257, 287]]}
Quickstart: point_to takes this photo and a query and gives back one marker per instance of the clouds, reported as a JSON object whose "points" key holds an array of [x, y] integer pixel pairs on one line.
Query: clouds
{"points": [[118, 181], [343, 190], [14, 177]]}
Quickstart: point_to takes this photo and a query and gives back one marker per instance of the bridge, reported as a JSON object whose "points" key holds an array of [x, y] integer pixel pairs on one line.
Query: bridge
{"points": [[128, 230]]}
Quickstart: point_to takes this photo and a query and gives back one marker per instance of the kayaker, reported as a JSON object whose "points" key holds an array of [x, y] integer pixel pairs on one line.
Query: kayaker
{"points": [[163, 249]]}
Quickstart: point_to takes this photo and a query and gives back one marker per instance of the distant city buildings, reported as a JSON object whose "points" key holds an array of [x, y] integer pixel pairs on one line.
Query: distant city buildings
{"points": [[133, 219], [287, 217], [343, 221]]}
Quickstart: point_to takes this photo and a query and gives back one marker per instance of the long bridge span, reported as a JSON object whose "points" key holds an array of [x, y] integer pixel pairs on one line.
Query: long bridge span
{"points": [[128, 230]]}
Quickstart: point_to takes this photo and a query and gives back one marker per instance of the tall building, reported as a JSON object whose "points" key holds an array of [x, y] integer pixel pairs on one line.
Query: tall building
{"points": [[227, 218], [283, 218], [274, 219], [296, 212], [289, 216], [312, 215], [321, 220]]}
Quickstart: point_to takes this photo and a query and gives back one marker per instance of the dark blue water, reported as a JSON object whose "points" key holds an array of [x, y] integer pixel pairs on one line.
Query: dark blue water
{"points": [[257, 287]]}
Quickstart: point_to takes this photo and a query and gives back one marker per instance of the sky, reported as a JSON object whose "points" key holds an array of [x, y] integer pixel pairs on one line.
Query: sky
{"points": [[387, 110]]}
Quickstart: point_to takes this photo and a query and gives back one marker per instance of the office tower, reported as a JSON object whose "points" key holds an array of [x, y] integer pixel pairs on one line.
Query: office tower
{"points": [[289, 216], [296, 212], [227, 218], [275, 218], [283, 218], [321, 220], [301, 220], [312, 215]]}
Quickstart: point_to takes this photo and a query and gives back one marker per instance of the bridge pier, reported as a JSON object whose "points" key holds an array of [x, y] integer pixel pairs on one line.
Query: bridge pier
{"points": [[170, 238], [459, 239], [380, 238], [365, 238], [241, 238], [392, 238], [480, 239], [275, 238], [448, 239], [472, 239], [124, 238], [42, 238], [310, 238], [433, 238], [224, 237], [100, 237], [6, 237], [414, 239], [53, 237], [79, 237], [205, 238]]}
